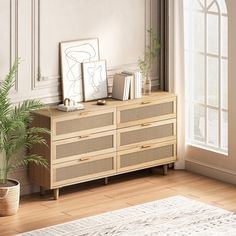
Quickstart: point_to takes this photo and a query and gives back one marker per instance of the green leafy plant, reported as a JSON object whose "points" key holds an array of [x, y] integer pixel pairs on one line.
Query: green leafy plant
{"points": [[150, 53], [16, 135]]}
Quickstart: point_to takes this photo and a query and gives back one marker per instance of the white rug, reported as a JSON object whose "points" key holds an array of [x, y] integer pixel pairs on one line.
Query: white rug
{"points": [[171, 216]]}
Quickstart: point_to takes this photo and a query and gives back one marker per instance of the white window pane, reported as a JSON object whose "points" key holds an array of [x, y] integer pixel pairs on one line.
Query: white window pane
{"points": [[187, 75], [213, 81], [199, 78], [187, 31], [199, 123], [213, 34], [224, 130], [224, 84], [224, 36], [198, 28], [187, 4], [202, 2], [213, 8], [196, 5], [223, 7], [188, 122], [209, 2], [213, 127]]}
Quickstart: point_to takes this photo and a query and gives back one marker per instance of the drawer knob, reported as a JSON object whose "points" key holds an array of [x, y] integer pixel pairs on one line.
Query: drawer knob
{"points": [[145, 102], [84, 159], [83, 136], [145, 146], [145, 124], [84, 113]]}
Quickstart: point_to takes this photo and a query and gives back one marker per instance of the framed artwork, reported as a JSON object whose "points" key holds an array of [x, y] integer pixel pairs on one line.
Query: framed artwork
{"points": [[72, 54], [95, 80]]}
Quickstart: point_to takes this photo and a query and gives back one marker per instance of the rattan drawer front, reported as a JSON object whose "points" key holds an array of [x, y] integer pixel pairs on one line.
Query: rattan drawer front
{"points": [[96, 144], [83, 123], [146, 111], [83, 169], [145, 156], [146, 133]]}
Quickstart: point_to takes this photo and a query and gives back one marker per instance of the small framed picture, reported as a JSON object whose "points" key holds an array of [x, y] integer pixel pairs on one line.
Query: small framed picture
{"points": [[73, 54], [94, 80]]}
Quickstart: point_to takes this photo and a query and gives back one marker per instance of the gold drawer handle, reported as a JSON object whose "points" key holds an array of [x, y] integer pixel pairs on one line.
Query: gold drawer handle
{"points": [[145, 102], [84, 159], [145, 146], [83, 136], [145, 124], [84, 113]]}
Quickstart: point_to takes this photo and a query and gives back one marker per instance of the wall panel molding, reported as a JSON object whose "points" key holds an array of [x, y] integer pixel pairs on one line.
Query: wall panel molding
{"points": [[40, 80], [13, 38]]}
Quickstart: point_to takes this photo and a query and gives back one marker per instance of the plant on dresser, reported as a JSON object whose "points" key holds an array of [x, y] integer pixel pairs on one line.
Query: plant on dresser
{"points": [[103, 141], [145, 62]]}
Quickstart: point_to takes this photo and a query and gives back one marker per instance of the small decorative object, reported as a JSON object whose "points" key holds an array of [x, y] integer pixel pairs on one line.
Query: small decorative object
{"points": [[95, 80], [66, 102], [147, 86], [145, 63], [70, 105], [101, 102], [72, 55], [16, 135]]}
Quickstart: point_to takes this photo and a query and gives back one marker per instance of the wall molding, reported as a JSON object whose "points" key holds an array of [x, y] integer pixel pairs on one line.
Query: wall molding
{"points": [[41, 81], [52, 99], [14, 19], [211, 171], [38, 81]]}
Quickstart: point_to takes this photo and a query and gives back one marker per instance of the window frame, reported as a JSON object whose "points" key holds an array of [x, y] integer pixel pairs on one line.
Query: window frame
{"points": [[190, 53]]}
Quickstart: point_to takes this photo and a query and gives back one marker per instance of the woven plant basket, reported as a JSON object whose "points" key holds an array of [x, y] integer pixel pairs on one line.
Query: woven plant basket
{"points": [[9, 199]]}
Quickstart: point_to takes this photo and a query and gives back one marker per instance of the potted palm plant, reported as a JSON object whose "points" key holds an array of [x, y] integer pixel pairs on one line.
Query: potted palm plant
{"points": [[145, 62], [16, 137]]}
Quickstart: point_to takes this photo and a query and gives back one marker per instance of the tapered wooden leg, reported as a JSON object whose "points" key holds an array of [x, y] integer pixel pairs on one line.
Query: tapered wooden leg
{"points": [[56, 193], [165, 169], [42, 191], [106, 180]]}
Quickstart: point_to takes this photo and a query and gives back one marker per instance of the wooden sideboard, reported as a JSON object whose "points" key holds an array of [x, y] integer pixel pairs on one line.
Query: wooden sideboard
{"points": [[102, 141]]}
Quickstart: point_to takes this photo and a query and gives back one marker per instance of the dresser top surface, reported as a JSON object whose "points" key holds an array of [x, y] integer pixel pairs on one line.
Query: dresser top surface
{"points": [[52, 111]]}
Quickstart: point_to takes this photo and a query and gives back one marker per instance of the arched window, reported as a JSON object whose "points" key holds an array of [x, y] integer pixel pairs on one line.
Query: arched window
{"points": [[206, 73]]}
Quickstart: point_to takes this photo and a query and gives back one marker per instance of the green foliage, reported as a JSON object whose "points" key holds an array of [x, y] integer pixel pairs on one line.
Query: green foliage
{"points": [[16, 135], [150, 52]]}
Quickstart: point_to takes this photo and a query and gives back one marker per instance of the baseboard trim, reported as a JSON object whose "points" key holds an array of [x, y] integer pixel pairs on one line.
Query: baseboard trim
{"points": [[211, 171], [27, 189]]}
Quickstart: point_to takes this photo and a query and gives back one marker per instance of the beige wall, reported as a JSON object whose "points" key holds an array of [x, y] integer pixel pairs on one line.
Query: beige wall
{"points": [[209, 163], [32, 30]]}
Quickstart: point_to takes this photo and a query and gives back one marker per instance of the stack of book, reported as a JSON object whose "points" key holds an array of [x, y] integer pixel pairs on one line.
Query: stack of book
{"points": [[127, 85], [137, 84]]}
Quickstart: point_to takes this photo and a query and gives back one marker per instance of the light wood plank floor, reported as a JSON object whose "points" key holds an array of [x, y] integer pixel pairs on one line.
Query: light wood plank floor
{"points": [[122, 191]]}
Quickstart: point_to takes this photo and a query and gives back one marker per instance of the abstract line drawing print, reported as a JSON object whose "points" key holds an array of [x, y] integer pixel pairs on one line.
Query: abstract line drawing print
{"points": [[95, 81], [73, 54]]}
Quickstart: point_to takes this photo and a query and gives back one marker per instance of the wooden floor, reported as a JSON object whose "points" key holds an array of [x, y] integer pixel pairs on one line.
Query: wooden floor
{"points": [[122, 191]]}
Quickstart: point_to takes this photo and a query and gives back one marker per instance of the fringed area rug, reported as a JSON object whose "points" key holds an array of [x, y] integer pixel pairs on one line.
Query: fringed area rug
{"points": [[176, 215]]}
